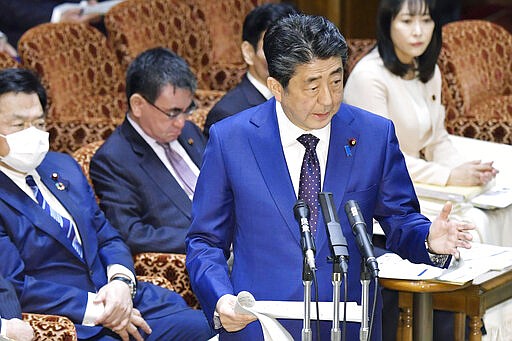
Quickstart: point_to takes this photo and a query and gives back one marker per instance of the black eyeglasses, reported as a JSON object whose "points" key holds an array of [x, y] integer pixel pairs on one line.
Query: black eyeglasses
{"points": [[175, 112]]}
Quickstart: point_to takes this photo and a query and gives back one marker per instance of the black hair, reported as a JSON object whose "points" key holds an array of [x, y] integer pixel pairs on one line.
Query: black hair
{"points": [[388, 10], [20, 80], [298, 40], [155, 68], [261, 17]]}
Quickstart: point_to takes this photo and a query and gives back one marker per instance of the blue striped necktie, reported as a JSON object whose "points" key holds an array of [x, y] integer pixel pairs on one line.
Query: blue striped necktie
{"points": [[68, 227]]}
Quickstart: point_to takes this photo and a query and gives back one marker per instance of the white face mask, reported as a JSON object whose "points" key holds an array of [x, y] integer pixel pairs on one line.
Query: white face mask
{"points": [[27, 149]]}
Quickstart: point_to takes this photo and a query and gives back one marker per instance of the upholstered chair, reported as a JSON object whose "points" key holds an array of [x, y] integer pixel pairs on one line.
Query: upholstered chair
{"points": [[476, 66], [357, 49], [137, 25], [84, 154], [206, 99], [83, 79], [51, 327], [207, 34], [170, 266], [6, 61]]}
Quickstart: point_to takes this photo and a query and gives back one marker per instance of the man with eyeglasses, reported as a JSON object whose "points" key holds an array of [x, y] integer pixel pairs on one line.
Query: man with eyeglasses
{"points": [[145, 173]]}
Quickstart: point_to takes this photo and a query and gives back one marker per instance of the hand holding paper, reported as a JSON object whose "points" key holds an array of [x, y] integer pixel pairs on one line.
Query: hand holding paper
{"points": [[231, 319]]}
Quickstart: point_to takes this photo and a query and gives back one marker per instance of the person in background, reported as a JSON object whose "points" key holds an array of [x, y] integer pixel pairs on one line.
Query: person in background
{"points": [[303, 141], [400, 80], [11, 325], [59, 251], [145, 173], [7, 48], [18, 16], [252, 90]]}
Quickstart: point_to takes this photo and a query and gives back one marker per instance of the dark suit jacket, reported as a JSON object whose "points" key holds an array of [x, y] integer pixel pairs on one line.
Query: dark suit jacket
{"points": [[40, 262], [139, 195], [241, 97], [18, 16], [250, 204], [9, 305]]}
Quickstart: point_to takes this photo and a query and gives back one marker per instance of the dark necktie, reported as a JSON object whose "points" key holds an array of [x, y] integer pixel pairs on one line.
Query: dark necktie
{"points": [[183, 171], [309, 184], [67, 226]]}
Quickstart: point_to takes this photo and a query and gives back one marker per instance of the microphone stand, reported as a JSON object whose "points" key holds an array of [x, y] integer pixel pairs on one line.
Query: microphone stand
{"points": [[365, 299], [307, 278], [339, 256], [336, 284]]}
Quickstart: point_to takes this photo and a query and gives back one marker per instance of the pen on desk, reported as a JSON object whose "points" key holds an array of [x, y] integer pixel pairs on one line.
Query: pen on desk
{"points": [[421, 273]]}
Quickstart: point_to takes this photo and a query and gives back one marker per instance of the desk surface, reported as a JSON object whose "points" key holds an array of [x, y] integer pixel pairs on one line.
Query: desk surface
{"points": [[420, 286], [470, 299]]}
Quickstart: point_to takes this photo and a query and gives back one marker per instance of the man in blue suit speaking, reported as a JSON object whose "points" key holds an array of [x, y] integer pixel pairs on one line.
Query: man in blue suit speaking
{"points": [[257, 164], [58, 250]]}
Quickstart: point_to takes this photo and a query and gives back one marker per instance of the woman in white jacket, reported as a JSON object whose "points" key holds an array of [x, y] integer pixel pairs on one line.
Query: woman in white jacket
{"points": [[399, 79]]}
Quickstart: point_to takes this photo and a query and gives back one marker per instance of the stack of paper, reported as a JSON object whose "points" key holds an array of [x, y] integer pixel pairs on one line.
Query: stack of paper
{"points": [[486, 197], [451, 193], [473, 263]]}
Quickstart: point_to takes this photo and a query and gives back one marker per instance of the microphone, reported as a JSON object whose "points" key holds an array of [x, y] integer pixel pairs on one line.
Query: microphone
{"points": [[338, 242], [301, 212], [364, 244]]}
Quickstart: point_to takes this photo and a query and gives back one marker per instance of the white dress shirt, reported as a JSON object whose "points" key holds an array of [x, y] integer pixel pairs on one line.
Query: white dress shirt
{"points": [[262, 88], [294, 151]]}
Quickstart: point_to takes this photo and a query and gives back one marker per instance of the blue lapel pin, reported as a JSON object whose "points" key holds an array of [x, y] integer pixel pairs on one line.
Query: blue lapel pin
{"points": [[351, 143]]}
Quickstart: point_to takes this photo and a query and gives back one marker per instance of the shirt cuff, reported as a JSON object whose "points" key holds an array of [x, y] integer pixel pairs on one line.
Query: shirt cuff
{"points": [[118, 269], [92, 310], [3, 328]]}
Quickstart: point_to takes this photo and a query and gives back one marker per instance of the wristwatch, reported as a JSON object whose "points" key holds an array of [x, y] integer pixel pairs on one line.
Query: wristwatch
{"points": [[131, 284], [438, 260]]}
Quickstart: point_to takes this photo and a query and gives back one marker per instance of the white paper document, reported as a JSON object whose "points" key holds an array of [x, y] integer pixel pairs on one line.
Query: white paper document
{"points": [[99, 8], [496, 197], [268, 311], [474, 262]]}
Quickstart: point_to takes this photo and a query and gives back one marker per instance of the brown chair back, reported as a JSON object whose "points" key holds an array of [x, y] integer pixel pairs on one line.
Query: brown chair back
{"points": [[207, 34], [51, 327], [6, 61], [476, 66], [84, 154], [84, 82]]}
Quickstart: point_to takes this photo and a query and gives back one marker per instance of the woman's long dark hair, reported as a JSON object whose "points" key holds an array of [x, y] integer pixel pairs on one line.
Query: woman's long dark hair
{"points": [[388, 10]]}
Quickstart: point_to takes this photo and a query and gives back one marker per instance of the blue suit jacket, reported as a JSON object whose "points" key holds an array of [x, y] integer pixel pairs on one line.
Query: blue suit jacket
{"points": [[241, 97], [9, 305], [40, 262], [139, 195], [250, 204]]}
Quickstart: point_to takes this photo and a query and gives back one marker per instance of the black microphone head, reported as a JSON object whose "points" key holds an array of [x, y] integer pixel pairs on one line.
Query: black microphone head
{"points": [[353, 213], [301, 210]]}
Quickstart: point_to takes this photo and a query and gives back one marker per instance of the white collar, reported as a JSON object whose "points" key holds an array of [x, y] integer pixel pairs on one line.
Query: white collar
{"points": [[262, 88]]}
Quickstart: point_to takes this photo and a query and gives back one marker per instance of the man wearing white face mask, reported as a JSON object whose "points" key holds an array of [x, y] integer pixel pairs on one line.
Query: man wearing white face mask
{"points": [[57, 249]]}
